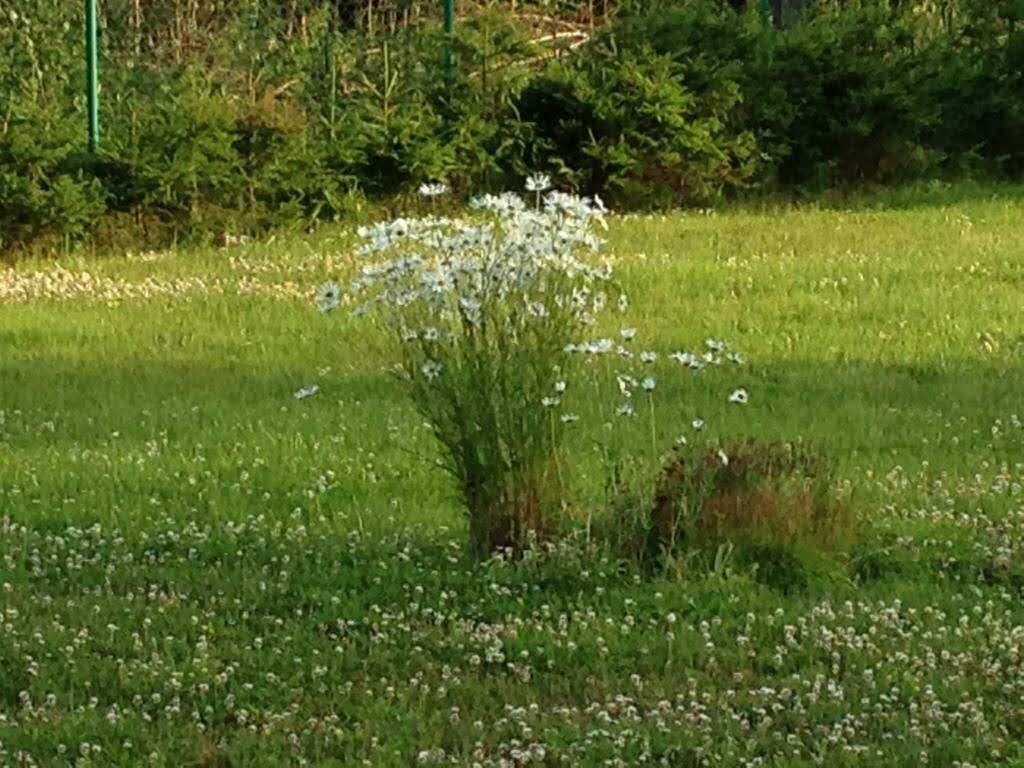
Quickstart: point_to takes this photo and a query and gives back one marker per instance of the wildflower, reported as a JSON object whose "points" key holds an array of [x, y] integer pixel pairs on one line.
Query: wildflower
{"points": [[681, 441], [431, 369], [628, 334], [328, 297], [471, 307], [537, 309], [688, 359], [626, 383], [538, 182], [569, 418], [433, 190], [648, 384], [724, 457], [560, 386], [698, 424], [432, 334], [735, 357], [739, 396], [304, 392], [714, 345], [623, 302], [626, 409], [648, 357], [550, 402]]}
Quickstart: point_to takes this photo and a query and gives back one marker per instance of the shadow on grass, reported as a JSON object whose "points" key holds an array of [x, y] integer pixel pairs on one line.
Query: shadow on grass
{"points": [[850, 408], [930, 194]]}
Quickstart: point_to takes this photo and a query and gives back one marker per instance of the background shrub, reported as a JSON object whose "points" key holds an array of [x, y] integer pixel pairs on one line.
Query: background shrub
{"points": [[242, 116]]}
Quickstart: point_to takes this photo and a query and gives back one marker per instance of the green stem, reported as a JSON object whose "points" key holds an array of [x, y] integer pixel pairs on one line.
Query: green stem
{"points": [[654, 428]]}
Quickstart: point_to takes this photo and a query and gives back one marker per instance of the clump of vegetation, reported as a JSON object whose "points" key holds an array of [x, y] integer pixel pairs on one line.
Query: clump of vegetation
{"points": [[481, 312], [766, 506]]}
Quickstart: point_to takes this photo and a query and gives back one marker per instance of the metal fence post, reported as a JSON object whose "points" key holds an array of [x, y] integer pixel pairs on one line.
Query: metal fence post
{"points": [[449, 29], [92, 74]]}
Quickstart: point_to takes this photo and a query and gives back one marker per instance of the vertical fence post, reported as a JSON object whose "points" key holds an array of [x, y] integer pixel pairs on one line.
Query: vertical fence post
{"points": [[449, 29], [92, 74]]}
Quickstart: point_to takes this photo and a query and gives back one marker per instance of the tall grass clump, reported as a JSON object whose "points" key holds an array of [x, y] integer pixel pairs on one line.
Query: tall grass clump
{"points": [[481, 311]]}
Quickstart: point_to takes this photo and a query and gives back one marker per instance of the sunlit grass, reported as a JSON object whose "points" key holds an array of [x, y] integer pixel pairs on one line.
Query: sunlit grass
{"points": [[198, 566]]}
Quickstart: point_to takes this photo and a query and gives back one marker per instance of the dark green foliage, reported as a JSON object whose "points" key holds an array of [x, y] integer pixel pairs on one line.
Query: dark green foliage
{"points": [[240, 117]]}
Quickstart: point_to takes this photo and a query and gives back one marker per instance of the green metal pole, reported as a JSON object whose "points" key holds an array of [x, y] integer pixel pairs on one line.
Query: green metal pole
{"points": [[92, 75], [449, 30]]}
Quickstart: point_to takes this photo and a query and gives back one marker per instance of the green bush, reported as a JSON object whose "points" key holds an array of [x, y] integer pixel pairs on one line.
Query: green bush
{"points": [[247, 118]]}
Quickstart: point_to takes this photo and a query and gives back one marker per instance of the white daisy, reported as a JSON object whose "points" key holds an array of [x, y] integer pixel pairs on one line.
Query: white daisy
{"points": [[739, 396], [560, 386], [648, 357], [628, 334], [569, 418], [304, 392], [538, 182], [431, 369], [550, 402], [648, 384], [699, 424], [328, 297], [433, 190]]}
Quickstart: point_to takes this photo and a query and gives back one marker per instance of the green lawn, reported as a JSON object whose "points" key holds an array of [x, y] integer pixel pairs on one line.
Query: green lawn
{"points": [[196, 568]]}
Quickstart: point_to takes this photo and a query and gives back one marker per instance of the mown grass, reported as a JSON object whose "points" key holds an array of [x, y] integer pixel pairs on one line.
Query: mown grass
{"points": [[198, 569]]}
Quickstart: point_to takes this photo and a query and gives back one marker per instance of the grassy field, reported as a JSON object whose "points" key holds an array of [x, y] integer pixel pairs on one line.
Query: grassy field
{"points": [[196, 568]]}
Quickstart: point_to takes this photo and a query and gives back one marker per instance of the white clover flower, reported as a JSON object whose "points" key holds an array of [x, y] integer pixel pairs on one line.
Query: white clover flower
{"points": [[304, 392], [628, 334], [537, 309], [599, 347], [569, 418], [431, 369], [538, 182], [698, 424], [648, 384], [648, 357], [550, 402], [328, 297], [739, 396], [433, 190]]}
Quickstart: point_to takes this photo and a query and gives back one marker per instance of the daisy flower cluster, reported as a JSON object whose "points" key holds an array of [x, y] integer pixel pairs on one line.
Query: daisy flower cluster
{"points": [[481, 310]]}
